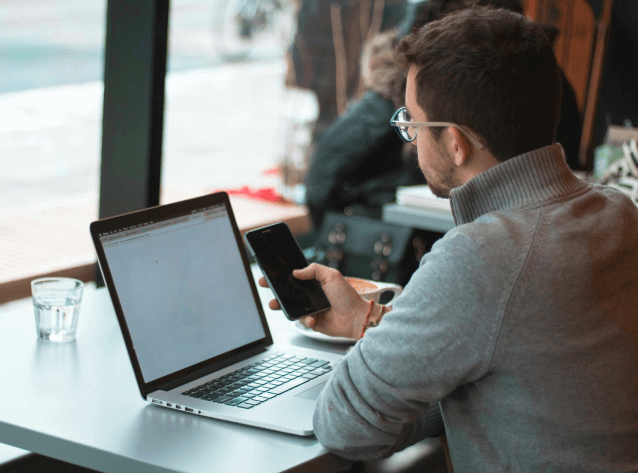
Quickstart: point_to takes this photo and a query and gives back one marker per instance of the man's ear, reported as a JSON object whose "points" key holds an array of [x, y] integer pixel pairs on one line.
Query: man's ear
{"points": [[461, 148]]}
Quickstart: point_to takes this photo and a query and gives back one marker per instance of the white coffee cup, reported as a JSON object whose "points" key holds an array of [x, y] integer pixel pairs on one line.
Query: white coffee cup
{"points": [[369, 289]]}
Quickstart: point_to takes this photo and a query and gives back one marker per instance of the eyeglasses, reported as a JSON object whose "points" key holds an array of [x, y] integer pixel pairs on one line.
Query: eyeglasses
{"points": [[407, 129]]}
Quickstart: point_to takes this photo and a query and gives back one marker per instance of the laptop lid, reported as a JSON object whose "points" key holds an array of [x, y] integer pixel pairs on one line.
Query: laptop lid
{"points": [[182, 289]]}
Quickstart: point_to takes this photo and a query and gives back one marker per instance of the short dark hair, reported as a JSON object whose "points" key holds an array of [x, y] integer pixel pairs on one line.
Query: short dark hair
{"points": [[491, 70]]}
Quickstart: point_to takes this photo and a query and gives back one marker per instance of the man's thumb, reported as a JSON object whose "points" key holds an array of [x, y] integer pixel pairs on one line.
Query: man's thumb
{"points": [[306, 273]]}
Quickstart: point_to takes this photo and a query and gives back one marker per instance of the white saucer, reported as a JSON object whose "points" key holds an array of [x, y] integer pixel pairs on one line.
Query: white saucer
{"points": [[320, 336]]}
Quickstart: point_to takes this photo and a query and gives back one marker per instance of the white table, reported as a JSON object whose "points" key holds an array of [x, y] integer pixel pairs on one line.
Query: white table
{"points": [[418, 217], [79, 402]]}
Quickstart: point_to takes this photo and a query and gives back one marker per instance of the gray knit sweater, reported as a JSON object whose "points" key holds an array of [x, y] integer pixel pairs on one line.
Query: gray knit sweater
{"points": [[522, 321]]}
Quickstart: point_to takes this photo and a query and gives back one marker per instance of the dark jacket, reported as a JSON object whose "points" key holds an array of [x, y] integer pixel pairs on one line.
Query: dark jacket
{"points": [[358, 161]]}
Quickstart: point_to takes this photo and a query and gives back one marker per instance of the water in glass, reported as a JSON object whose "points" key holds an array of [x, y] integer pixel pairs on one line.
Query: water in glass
{"points": [[56, 317]]}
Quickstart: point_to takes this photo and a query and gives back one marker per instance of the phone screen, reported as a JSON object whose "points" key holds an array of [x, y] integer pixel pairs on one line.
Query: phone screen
{"points": [[278, 254]]}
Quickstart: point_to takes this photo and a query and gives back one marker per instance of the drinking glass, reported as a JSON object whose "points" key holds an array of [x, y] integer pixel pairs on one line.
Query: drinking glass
{"points": [[57, 306]]}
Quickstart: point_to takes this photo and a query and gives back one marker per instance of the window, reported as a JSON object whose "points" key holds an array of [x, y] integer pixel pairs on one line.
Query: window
{"points": [[51, 93], [230, 122]]}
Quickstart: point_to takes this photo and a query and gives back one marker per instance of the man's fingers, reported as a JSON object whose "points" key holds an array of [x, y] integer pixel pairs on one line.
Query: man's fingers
{"points": [[262, 282], [274, 305], [308, 322]]}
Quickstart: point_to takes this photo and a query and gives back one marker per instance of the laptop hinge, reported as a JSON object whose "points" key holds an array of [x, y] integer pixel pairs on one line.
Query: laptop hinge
{"points": [[208, 370]]}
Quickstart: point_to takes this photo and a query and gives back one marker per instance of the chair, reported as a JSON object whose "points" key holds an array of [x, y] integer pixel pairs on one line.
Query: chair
{"points": [[580, 50]]}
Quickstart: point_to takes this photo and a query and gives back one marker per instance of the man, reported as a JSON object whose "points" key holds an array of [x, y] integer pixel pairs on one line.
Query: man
{"points": [[521, 321]]}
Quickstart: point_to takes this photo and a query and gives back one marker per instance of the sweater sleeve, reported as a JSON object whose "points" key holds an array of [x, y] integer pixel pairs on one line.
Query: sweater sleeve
{"points": [[440, 335]]}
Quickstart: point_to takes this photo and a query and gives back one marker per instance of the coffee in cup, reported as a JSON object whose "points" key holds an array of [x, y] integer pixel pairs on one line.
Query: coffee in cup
{"points": [[376, 290]]}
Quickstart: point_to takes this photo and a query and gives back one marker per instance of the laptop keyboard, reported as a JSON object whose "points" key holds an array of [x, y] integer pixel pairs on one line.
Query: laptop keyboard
{"points": [[254, 384]]}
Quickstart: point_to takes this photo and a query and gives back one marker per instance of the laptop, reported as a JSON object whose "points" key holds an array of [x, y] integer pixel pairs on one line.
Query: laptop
{"points": [[194, 327]]}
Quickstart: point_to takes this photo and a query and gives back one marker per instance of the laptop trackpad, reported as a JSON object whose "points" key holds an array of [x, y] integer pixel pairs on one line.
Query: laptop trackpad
{"points": [[312, 393]]}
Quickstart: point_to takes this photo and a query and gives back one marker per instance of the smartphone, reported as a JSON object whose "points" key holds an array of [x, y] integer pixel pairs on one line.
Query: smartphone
{"points": [[278, 254]]}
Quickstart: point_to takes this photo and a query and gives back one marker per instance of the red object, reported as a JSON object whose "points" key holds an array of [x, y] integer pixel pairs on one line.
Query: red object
{"points": [[271, 172], [366, 324]]}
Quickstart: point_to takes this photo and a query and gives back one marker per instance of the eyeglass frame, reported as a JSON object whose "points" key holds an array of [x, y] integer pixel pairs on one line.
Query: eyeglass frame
{"points": [[396, 124]]}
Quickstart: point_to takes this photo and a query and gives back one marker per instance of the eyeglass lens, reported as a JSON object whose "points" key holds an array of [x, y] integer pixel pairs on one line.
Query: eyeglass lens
{"points": [[408, 132]]}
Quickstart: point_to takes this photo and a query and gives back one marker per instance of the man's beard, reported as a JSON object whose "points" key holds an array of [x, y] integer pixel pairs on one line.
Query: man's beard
{"points": [[445, 173]]}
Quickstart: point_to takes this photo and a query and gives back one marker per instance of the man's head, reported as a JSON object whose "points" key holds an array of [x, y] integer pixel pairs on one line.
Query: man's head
{"points": [[492, 71]]}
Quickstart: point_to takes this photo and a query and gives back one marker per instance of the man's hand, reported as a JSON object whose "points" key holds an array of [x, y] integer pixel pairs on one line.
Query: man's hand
{"points": [[348, 310]]}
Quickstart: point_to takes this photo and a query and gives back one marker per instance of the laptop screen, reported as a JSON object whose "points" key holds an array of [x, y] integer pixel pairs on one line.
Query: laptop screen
{"points": [[183, 289]]}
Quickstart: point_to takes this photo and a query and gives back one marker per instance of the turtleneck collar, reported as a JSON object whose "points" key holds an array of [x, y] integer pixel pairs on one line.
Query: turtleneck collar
{"points": [[523, 181]]}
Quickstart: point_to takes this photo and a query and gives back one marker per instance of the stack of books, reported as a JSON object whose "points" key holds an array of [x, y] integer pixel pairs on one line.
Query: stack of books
{"points": [[422, 197]]}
